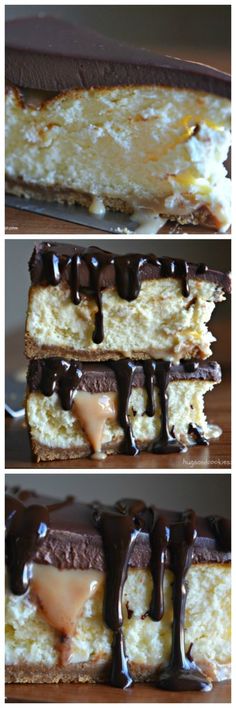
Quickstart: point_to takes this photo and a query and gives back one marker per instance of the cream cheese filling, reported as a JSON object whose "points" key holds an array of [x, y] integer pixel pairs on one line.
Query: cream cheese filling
{"points": [[156, 147]]}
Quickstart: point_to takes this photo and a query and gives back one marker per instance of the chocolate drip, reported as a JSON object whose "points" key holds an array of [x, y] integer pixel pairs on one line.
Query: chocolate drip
{"points": [[176, 268], [26, 528], [119, 532], [159, 538], [51, 268], [75, 279], [222, 530], [127, 270], [149, 367], [202, 268], [57, 375], [95, 269], [124, 371], [181, 674], [166, 442], [190, 365], [197, 433]]}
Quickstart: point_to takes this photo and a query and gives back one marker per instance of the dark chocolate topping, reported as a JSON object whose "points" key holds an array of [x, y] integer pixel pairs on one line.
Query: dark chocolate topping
{"points": [[51, 54], [55, 375], [51, 263], [171, 539]]}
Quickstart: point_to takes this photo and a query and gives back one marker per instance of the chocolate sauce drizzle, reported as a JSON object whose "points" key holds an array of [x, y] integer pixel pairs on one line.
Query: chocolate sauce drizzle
{"points": [[181, 674], [197, 433], [119, 530], [166, 442], [159, 539], [61, 376], [26, 529], [124, 371], [90, 271], [172, 543]]}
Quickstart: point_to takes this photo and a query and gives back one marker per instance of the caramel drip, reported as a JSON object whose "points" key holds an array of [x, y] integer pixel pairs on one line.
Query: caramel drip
{"points": [[181, 674], [92, 411], [61, 594]]}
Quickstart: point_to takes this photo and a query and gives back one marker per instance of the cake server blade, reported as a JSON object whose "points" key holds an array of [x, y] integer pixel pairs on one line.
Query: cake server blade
{"points": [[14, 397], [115, 222]]}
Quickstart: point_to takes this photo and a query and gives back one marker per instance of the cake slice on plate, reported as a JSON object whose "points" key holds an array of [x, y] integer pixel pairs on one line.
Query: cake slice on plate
{"points": [[92, 121]]}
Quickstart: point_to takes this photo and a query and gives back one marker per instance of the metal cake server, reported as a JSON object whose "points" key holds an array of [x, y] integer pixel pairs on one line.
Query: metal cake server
{"points": [[113, 222], [14, 397]]}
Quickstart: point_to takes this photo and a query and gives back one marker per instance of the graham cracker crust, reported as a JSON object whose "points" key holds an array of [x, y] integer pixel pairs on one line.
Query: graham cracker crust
{"points": [[38, 351], [89, 672], [43, 453], [65, 195]]}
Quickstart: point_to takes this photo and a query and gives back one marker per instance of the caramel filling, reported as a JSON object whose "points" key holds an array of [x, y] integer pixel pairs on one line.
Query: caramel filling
{"points": [[92, 411], [61, 594]]}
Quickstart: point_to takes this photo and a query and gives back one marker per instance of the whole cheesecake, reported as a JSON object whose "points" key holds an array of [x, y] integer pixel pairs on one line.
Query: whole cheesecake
{"points": [[92, 121]]}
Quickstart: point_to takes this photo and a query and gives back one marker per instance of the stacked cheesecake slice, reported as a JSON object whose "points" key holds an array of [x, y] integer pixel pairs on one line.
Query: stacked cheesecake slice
{"points": [[98, 593], [117, 347]]}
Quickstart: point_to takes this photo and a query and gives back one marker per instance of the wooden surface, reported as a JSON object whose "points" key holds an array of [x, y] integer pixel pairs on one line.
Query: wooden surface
{"points": [[86, 693], [25, 222], [216, 456]]}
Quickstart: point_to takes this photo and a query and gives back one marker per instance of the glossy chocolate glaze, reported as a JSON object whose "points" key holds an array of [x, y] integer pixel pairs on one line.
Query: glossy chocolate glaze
{"points": [[172, 539], [67, 377], [50, 54], [89, 271]]}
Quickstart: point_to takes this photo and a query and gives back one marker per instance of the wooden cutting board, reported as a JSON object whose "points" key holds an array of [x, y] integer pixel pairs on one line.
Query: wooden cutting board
{"points": [[85, 693]]}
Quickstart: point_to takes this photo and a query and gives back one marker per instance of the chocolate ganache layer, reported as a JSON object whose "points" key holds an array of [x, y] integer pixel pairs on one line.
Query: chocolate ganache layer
{"points": [[65, 377], [55, 375], [69, 534], [89, 271], [50, 54]]}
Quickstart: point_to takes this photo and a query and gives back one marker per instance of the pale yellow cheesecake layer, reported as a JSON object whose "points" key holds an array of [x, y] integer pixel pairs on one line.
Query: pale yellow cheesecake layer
{"points": [[56, 433], [154, 147], [32, 642], [160, 323]]}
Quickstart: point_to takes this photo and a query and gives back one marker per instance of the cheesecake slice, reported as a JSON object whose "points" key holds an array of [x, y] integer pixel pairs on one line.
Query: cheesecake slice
{"points": [[98, 593], [94, 305], [92, 121], [78, 409]]}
